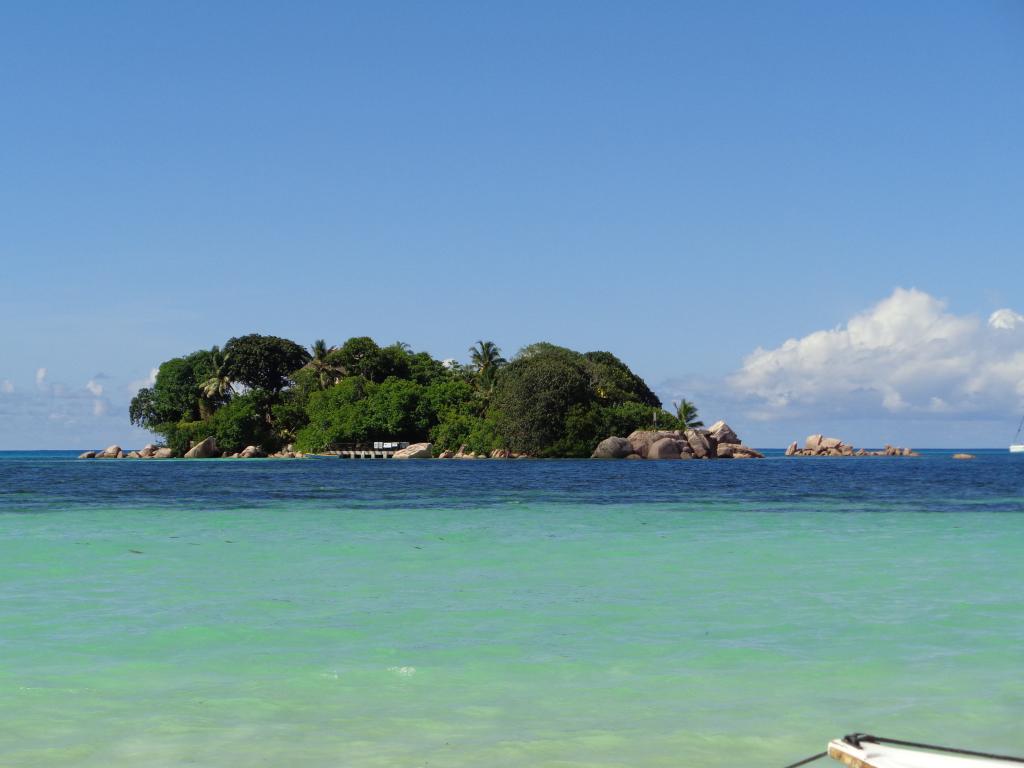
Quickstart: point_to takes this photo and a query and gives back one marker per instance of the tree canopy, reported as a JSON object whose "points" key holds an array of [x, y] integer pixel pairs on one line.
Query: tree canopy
{"points": [[264, 362], [552, 401], [269, 391]]}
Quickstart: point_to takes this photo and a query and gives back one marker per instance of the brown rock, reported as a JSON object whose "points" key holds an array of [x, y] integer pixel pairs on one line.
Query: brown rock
{"points": [[721, 432], [251, 452], [415, 451], [87, 455], [829, 443], [446, 454], [699, 443], [665, 448], [745, 452], [642, 439], [134, 455], [813, 443], [724, 450], [963, 455], [163, 453], [205, 449], [791, 451], [612, 448], [635, 456]]}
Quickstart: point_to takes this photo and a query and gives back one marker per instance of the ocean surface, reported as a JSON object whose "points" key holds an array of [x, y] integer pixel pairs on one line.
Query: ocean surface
{"points": [[505, 613]]}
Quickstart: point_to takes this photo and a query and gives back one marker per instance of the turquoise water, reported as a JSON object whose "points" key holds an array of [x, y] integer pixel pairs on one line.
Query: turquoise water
{"points": [[331, 613]]}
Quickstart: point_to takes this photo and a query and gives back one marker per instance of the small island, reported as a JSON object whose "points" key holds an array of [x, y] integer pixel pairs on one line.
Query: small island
{"points": [[265, 396], [819, 445]]}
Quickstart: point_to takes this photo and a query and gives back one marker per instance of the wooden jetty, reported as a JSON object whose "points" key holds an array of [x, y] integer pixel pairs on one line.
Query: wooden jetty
{"points": [[380, 450]]}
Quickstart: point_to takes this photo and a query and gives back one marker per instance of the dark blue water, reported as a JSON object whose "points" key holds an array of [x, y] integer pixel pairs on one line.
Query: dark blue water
{"points": [[38, 482]]}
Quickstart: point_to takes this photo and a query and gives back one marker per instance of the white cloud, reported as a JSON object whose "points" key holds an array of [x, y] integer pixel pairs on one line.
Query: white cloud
{"points": [[137, 384], [906, 355], [1005, 319], [51, 414]]}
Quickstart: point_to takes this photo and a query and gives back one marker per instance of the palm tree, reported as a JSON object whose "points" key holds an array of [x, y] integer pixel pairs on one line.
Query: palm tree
{"points": [[319, 350], [484, 355], [687, 414], [218, 385], [327, 371]]}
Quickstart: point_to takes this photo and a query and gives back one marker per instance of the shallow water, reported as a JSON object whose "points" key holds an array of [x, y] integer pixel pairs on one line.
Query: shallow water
{"points": [[556, 613]]}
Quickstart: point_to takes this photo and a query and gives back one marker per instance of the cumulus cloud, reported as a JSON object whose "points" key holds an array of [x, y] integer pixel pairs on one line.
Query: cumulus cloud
{"points": [[48, 413], [1005, 319], [906, 355], [137, 384]]}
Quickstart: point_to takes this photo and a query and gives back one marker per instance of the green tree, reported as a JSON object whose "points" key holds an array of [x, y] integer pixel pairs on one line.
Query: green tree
{"points": [[449, 395], [456, 429], [142, 410], [326, 369], [687, 416], [485, 355], [264, 362], [335, 417], [614, 382], [242, 422], [393, 360], [175, 393], [359, 356], [534, 394], [217, 386], [396, 410], [544, 348], [425, 370]]}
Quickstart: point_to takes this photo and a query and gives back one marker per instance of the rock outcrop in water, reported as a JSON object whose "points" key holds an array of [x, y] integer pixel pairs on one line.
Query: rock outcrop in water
{"points": [[204, 449], [819, 445], [717, 442], [415, 451], [613, 448]]}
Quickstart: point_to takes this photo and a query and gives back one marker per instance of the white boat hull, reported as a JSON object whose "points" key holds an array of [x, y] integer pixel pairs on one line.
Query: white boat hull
{"points": [[1017, 449], [884, 756]]}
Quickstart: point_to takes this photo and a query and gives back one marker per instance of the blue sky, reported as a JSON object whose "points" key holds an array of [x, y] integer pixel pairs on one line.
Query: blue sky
{"points": [[682, 184]]}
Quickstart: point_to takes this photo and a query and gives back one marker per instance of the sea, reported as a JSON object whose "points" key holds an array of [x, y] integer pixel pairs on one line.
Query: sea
{"points": [[370, 614]]}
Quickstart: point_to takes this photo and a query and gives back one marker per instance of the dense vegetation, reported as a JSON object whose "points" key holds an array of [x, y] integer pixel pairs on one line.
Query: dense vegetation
{"points": [[271, 392]]}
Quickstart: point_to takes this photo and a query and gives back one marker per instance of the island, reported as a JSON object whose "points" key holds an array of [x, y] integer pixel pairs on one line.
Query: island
{"points": [[265, 396]]}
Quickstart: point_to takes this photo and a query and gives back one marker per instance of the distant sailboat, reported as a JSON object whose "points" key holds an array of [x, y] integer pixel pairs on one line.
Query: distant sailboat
{"points": [[1017, 446]]}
